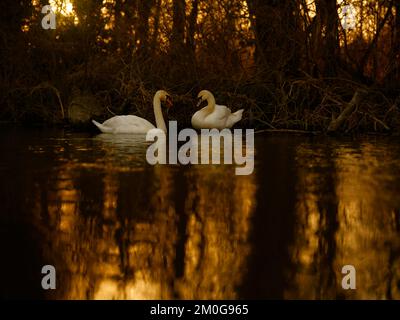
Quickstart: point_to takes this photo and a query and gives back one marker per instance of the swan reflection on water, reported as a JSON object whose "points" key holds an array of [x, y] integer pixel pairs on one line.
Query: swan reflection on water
{"points": [[124, 143], [127, 150]]}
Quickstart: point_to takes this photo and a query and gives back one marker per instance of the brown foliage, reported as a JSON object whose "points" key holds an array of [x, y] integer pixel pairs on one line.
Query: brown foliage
{"points": [[290, 64]]}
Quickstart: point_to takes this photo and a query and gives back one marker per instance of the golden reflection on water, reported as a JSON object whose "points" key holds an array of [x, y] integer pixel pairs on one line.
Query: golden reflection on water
{"points": [[354, 223], [117, 228], [120, 236], [219, 208]]}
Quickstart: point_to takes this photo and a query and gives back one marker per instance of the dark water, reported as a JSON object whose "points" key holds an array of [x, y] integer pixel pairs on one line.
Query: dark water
{"points": [[115, 227]]}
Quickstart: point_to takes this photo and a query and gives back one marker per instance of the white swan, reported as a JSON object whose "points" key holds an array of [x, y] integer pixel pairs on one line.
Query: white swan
{"points": [[134, 124], [214, 115]]}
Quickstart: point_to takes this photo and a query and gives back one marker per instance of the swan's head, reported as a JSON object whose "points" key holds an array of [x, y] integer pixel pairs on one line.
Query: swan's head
{"points": [[203, 96], [164, 96]]}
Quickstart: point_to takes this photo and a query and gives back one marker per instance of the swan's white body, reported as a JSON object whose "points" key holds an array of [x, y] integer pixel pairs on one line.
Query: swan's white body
{"points": [[124, 124], [133, 124], [214, 115]]}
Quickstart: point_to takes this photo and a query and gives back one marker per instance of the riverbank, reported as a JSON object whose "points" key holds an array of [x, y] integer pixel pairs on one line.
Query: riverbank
{"points": [[90, 128], [355, 110]]}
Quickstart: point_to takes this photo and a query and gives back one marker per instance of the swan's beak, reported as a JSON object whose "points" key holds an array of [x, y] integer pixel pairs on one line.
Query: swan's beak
{"points": [[169, 102], [199, 102]]}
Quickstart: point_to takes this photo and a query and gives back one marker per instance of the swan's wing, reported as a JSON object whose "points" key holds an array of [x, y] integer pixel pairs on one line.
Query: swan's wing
{"points": [[130, 120], [223, 109], [217, 119], [128, 124], [220, 113]]}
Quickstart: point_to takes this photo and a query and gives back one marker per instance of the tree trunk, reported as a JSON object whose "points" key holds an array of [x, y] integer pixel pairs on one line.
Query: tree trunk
{"points": [[396, 46], [275, 29], [327, 46], [156, 25], [393, 73], [144, 9], [192, 25], [178, 25], [397, 23], [374, 44]]}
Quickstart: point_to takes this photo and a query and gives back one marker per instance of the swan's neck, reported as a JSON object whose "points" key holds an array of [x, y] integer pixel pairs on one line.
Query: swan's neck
{"points": [[210, 103], [160, 123]]}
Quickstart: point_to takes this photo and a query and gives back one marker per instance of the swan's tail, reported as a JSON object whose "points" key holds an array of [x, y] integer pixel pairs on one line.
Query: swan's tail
{"points": [[235, 117], [102, 128]]}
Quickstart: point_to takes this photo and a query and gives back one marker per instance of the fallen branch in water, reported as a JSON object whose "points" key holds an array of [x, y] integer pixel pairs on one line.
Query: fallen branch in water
{"points": [[348, 110], [378, 121]]}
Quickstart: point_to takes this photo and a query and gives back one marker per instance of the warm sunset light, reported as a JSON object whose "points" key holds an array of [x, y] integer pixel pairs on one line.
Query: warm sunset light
{"points": [[64, 7], [217, 151]]}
